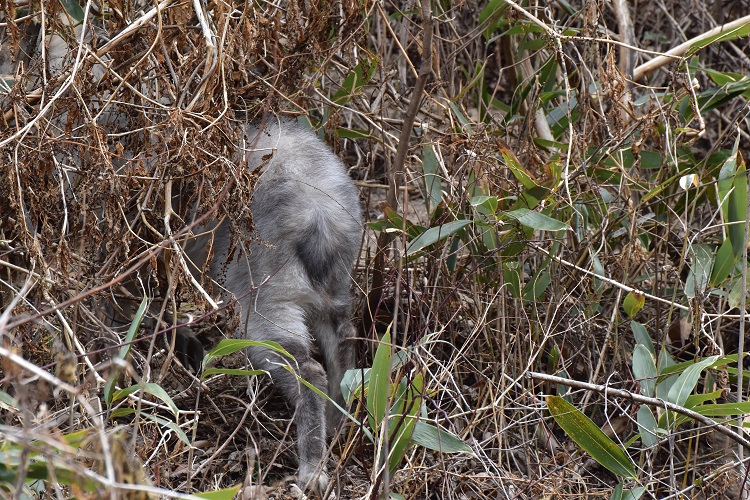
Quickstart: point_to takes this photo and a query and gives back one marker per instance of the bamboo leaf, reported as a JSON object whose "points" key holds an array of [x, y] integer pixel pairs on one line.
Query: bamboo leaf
{"points": [[702, 265], [723, 409], [380, 382], [109, 387], [401, 438], [149, 388], [724, 36], [633, 303], [438, 439], [536, 220], [642, 337], [647, 426], [230, 346], [435, 234], [223, 494], [723, 263], [686, 382], [74, 10], [644, 369], [232, 371], [169, 425], [588, 436], [432, 180]]}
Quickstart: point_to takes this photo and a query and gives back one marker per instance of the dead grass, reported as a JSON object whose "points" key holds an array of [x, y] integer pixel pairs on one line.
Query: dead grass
{"points": [[90, 158]]}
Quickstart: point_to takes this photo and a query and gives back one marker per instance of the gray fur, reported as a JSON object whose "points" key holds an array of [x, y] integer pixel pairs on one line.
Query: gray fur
{"points": [[306, 212]]}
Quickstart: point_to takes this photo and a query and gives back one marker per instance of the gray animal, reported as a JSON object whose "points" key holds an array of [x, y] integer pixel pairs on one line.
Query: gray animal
{"points": [[307, 215]]}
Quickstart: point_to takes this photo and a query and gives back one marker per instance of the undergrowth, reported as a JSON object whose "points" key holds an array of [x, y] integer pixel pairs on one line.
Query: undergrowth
{"points": [[556, 244]]}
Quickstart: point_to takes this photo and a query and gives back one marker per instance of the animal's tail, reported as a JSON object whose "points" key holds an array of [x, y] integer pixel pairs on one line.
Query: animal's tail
{"points": [[317, 249]]}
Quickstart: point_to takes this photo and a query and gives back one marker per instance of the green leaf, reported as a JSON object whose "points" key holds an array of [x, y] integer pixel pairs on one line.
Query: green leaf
{"points": [[353, 382], [738, 208], [74, 10], [517, 169], [665, 362], [697, 280], [714, 97], [109, 387], [149, 388], [694, 402], [723, 263], [465, 124], [735, 293], [633, 494], [8, 401], [664, 384], [598, 269], [530, 198], [42, 469], [327, 398], [432, 177], [354, 133], [121, 412], [76, 438], [619, 494], [537, 285], [485, 204], [559, 116], [512, 278], [438, 439], [562, 389], [729, 359], [230, 346], [616, 492], [170, 425], [233, 371], [554, 358], [644, 369], [699, 399], [380, 383], [493, 10], [733, 194], [685, 384], [124, 412], [589, 437], [720, 78], [435, 234], [535, 220], [633, 303], [725, 183], [223, 494], [725, 36], [642, 337], [405, 419], [723, 409], [355, 81], [647, 426]]}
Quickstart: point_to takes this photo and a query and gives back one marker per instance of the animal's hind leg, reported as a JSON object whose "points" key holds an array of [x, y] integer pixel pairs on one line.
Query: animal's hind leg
{"points": [[284, 323], [309, 420], [335, 337]]}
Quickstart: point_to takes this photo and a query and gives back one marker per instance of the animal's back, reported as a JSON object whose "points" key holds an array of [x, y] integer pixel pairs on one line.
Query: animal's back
{"points": [[304, 206], [306, 216]]}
